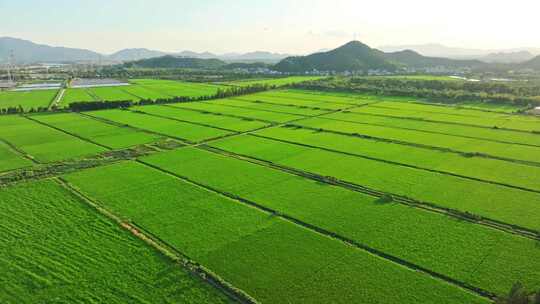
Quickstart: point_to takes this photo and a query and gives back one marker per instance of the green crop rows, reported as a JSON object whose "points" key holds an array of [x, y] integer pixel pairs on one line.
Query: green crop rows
{"points": [[250, 248], [219, 121], [272, 107], [484, 199], [75, 95], [453, 142], [159, 125], [10, 159], [488, 169], [355, 215], [215, 107], [275, 81], [54, 247], [112, 94], [523, 138], [283, 196], [27, 99], [178, 88], [43, 143], [435, 113], [108, 135]]}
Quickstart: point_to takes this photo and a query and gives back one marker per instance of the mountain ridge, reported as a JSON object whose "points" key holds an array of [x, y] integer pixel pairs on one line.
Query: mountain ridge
{"points": [[440, 50], [356, 56], [26, 51]]}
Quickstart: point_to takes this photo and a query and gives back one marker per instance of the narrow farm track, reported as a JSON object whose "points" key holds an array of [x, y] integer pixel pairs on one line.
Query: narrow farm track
{"points": [[494, 224], [348, 241], [161, 246], [57, 99]]}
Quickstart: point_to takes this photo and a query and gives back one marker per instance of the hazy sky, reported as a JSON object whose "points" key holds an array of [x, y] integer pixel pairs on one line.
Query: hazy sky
{"points": [[292, 26]]}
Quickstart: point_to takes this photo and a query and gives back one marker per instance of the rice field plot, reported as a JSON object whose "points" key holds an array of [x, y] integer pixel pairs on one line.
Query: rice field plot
{"points": [[487, 169], [75, 95], [10, 159], [353, 98], [274, 81], [164, 126], [441, 109], [501, 135], [324, 97], [143, 92], [233, 102], [490, 120], [486, 106], [456, 143], [457, 249], [252, 249], [178, 88], [211, 119], [111, 136], [267, 98], [215, 107], [508, 205], [27, 99], [43, 143], [112, 94], [55, 248]]}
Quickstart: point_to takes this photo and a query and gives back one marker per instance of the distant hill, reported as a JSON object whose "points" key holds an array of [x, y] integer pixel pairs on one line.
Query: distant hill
{"points": [[135, 54], [353, 56], [29, 52], [413, 59], [190, 54], [174, 62], [439, 50], [533, 64], [258, 56], [356, 56], [512, 57], [243, 65]]}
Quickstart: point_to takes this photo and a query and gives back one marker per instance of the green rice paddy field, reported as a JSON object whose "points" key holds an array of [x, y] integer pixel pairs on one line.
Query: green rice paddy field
{"points": [[286, 196], [274, 81], [138, 89], [56, 248], [27, 99]]}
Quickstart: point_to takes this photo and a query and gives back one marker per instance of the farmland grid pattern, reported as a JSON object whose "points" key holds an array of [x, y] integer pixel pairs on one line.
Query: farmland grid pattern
{"points": [[210, 141]]}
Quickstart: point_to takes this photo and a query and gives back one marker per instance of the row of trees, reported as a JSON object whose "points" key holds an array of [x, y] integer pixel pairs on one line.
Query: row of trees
{"points": [[522, 94]]}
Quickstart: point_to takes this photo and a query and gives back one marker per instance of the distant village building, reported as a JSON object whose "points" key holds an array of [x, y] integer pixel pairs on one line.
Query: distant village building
{"points": [[4, 85]]}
